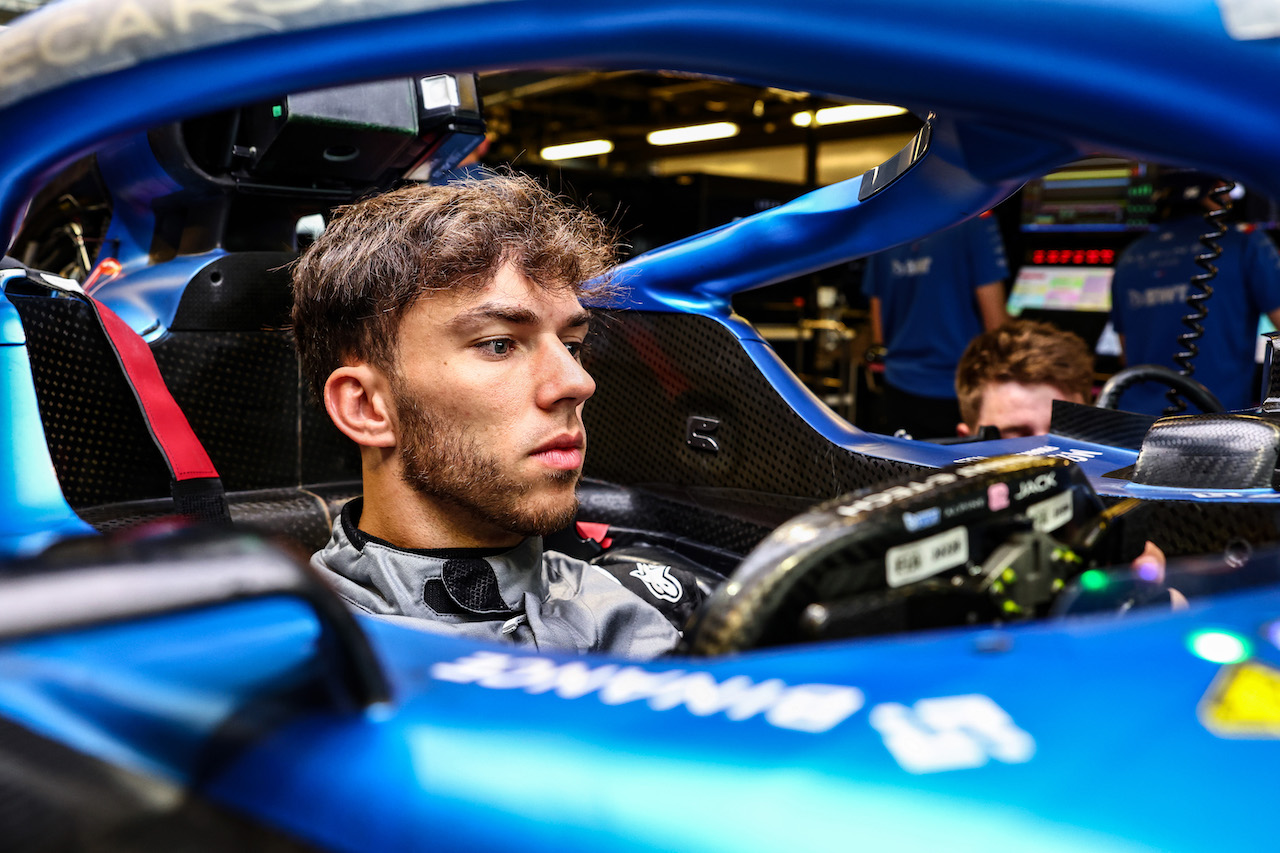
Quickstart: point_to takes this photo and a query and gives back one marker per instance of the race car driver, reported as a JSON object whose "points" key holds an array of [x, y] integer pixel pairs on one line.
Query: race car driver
{"points": [[442, 328]]}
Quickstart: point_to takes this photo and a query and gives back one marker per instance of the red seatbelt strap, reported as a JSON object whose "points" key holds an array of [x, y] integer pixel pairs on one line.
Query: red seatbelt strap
{"points": [[182, 451], [194, 482]]}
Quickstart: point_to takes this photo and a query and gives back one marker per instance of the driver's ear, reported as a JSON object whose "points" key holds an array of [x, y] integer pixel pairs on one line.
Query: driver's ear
{"points": [[358, 400], [963, 430]]}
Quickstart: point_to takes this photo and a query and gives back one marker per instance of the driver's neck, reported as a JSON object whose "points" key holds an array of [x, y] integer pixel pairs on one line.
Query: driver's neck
{"points": [[397, 513]]}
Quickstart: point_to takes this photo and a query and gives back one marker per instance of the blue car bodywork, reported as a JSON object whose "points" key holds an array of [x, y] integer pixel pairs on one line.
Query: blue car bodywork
{"points": [[1096, 733]]}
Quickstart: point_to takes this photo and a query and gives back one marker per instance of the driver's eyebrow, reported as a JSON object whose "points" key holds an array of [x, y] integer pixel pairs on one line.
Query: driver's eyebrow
{"points": [[512, 314]]}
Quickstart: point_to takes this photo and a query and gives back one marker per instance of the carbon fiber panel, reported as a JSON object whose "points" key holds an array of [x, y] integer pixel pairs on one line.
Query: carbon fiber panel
{"points": [[239, 391], [230, 363], [682, 514], [243, 396], [238, 292], [1201, 527], [101, 448], [1111, 427], [654, 371], [1218, 451], [302, 515]]}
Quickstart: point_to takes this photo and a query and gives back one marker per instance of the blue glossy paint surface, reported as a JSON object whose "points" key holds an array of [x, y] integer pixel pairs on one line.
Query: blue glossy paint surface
{"points": [[146, 296], [1015, 90], [150, 695], [1121, 759], [33, 512], [1096, 75], [1104, 701], [133, 179]]}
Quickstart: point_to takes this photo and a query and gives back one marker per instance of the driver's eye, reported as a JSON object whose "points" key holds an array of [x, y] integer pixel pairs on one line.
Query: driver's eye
{"points": [[501, 346]]}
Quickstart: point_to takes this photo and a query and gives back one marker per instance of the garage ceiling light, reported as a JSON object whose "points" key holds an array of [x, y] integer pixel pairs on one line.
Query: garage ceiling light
{"points": [[590, 148], [694, 133], [850, 112]]}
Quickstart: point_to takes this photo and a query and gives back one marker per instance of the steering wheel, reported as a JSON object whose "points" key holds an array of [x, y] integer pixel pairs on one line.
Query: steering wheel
{"points": [[1195, 392], [946, 546]]}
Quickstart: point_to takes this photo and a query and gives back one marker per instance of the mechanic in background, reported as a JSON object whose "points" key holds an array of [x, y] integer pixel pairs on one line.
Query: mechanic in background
{"points": [[1152, 281], [442, 329], [1009, 377], [928, 299]]}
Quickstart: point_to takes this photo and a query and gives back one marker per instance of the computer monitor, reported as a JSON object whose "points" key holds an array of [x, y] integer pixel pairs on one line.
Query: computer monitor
{"points": [[1093, 195], [1072, 298], [1058, 288]]}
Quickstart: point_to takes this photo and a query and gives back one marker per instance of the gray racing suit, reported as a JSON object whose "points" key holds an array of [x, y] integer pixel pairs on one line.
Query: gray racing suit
{"points": [[523, 595]]}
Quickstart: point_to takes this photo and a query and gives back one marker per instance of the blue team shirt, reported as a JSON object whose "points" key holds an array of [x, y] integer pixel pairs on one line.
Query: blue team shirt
{"points": [[1148, 301], [928, 309]]}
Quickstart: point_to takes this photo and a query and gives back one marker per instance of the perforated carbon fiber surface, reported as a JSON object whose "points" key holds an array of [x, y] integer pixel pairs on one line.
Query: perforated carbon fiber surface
{"points": [[1203, 527], [231, 365], [238, 292], [101, 448], [239, 391], [654, 371]]}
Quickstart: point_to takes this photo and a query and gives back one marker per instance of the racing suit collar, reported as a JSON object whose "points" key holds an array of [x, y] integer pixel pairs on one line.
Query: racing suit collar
{"points": [[351, 513], [454, 581]]}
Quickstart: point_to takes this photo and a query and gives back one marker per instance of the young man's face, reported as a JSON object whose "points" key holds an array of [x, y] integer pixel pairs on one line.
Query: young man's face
{"points": [[1016, 409], [489, 405]]}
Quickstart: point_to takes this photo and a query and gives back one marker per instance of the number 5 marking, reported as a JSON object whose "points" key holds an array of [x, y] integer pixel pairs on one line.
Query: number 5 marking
{"points": [[951, 733]]}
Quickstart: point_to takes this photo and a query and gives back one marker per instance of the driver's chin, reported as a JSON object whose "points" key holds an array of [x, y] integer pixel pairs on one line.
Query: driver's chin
{"points": [[544, 514]]}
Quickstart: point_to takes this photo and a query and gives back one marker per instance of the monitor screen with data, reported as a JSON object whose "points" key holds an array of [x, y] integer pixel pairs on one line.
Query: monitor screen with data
{"points": [[1061, 288]]}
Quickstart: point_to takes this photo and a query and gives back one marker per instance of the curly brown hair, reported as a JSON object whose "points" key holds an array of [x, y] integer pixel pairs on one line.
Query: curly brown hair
{"points": [[1026, 352], [377, 257]]}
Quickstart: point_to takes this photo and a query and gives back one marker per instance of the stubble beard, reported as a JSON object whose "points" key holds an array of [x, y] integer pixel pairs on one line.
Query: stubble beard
{"points": [[449, 466]]}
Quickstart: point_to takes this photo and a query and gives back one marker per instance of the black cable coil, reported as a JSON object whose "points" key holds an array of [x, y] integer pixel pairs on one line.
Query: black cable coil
{"points": [[1201, 290]]}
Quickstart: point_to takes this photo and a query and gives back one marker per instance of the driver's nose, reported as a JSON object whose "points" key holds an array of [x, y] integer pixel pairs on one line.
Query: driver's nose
{"points": [[562, 379]]}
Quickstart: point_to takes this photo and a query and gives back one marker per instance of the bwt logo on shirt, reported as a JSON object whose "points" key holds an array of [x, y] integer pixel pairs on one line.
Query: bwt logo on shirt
{"points": [[914, 266], [1154, 296]]}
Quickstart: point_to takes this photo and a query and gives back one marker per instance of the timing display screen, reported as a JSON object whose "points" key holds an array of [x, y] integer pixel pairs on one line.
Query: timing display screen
{"points": [[1077, 257]]}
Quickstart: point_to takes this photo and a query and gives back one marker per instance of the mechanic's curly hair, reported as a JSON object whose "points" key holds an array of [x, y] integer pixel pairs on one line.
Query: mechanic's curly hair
{"points": [[1026, 352], [377, 257]]}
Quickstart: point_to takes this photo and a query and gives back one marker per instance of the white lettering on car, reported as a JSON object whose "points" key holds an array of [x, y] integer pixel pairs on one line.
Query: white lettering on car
{"points": [[127, 21], [286, 7], [1036, 485], [185, 12], [57, 43], [950, 733], [896, 493], [1074, 454], [813, 708], [17, 61]]}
